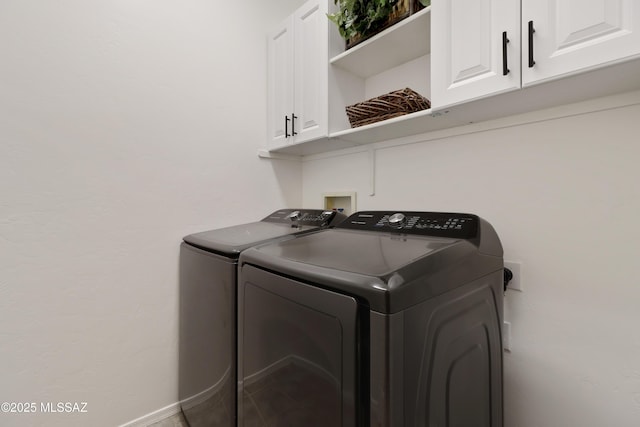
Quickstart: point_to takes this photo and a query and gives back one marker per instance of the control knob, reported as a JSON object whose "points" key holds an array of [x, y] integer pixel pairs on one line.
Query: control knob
{"points": [[397, 220], [294, 216], [326, 215]]}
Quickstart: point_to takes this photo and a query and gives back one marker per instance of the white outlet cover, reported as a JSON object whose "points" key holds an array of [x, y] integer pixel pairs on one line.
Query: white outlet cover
{"points": [[506, 336]]}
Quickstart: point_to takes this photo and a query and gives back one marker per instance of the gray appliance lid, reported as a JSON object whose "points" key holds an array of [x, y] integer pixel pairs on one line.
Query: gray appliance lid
{"points": [[230, 241], [390, 265], [372, 254]]}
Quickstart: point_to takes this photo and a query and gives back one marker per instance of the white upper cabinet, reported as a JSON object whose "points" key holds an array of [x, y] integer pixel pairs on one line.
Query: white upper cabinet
{"points": [[475, 49], [280, 86], [562, 37], [311, 70], [297, 77], [477, 44], [476, 60]]}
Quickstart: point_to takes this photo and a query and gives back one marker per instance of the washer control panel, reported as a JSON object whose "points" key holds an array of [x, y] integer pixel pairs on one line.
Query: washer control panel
{"points": [[442, 224], [297, 217]]}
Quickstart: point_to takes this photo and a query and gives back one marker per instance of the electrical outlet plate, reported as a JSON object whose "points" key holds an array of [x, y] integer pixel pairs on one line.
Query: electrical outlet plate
{"points": [[516, 282], [506, 336]]}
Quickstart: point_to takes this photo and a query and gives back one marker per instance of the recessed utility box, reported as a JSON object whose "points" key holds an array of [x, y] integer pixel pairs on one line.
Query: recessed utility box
{"points": [[342, 201]]}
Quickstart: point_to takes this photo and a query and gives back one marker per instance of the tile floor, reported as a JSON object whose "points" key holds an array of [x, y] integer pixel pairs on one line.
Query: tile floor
{"points": [[174, 421]]}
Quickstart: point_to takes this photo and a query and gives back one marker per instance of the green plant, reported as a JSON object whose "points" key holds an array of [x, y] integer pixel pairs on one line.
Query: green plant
{"points": [[360, 17]]}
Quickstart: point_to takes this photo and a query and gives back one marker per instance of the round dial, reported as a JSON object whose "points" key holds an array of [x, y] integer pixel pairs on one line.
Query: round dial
{"points": [[397, 220], [294, 216]]}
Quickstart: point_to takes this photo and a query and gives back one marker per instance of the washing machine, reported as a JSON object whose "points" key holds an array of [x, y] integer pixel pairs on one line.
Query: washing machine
{"points": [[207, 331], [390, 319]]}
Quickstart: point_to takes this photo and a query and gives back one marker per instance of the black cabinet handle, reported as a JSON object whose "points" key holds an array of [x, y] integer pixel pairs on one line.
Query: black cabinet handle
{"points": [[293, 124], [531, 31], [286, 127], [505, 40]]}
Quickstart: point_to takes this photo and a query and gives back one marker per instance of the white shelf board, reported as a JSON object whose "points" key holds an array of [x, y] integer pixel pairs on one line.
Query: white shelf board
{"points": [[398, 127], [402, 42], [619, 78]]}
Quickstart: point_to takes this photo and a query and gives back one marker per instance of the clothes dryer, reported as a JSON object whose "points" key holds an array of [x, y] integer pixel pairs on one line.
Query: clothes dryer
{"points": [[389, 319], [207, 334]]}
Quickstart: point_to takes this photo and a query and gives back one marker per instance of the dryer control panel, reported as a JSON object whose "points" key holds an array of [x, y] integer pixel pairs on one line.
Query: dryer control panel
{"points": [[440, 224], [298, 217]]}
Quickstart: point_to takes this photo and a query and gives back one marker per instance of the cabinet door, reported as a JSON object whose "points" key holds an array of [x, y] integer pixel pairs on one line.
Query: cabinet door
{"points": [[280, 84], [468, 51], [576, 35], [311, 71]]}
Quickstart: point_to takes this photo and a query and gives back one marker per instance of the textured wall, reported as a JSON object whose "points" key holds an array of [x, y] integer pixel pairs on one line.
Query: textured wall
{"points": [[124, 125]]}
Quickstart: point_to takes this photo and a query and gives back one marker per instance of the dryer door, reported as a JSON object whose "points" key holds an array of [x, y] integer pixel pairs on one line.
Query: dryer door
{"points": [[296, 353]]}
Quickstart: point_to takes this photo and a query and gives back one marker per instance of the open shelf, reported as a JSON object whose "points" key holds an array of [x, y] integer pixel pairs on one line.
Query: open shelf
{"points": [[402, 42], [409, 124], [401, 54], [397, 127], [621, 78]]}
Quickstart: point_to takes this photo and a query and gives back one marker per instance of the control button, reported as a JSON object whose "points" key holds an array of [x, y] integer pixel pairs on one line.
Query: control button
{"points": [[294, 216], [326, 215], [397, 220]]}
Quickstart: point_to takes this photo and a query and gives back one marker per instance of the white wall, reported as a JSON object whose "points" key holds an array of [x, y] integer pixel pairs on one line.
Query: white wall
{"points": [[563, 194], [124, 125]]}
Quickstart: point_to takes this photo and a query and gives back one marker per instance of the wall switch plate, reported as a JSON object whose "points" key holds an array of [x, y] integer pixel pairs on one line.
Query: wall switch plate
{"points": [[506, 336], [516, 282]]}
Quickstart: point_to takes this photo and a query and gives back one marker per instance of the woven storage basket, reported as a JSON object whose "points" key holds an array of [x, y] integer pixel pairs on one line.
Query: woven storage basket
{"points": [[383, 107]]}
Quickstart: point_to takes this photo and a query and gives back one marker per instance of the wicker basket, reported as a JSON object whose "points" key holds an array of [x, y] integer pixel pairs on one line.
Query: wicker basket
{"points": [[400, 11], [383, 107]]}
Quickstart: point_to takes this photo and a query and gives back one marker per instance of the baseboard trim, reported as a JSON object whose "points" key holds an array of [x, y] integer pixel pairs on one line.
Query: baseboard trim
{"points": [[155, 416], [206, 394]]}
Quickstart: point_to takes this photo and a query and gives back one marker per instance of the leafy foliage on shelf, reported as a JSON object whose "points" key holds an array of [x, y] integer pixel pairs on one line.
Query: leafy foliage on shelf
{"points": [[360, 17]]}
